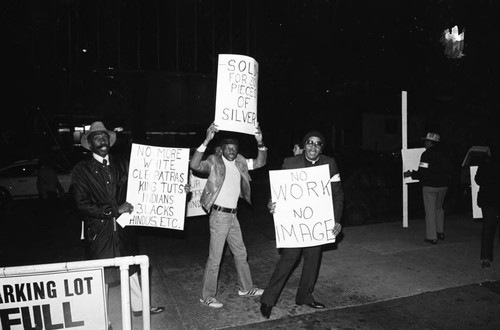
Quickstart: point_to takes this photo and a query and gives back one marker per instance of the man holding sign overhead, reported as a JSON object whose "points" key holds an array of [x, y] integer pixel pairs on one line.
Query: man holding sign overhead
{"points": [[313, 144], [228, 179]]}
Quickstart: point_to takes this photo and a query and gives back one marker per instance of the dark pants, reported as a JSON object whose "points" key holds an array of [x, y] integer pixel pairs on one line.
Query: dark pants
{"points": [[287, 262], [490, 224]]}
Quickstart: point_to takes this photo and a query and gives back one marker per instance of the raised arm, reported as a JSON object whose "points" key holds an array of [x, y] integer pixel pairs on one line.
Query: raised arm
{"points": [[196, 164], [261, 159]]}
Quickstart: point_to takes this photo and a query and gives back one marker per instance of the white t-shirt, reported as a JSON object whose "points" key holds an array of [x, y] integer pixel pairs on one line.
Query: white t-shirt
{"points": [[230, 190]]}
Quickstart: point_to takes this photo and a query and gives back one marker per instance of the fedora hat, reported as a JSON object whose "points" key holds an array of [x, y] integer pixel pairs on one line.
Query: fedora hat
{"points": [[97, 126], [432, 137]]}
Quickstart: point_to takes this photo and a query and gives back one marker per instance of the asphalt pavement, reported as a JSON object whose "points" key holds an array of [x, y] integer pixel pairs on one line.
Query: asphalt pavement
{"points": [[377, 276]]}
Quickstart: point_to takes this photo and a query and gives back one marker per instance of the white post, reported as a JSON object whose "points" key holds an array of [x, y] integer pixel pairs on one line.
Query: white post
{"points": [[145, 296], [125, 292], [404, 133]]}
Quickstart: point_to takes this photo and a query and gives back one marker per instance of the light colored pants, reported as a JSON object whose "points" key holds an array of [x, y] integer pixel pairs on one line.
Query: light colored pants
{"points": [[135, 293], [225, 227], [434, 213]]}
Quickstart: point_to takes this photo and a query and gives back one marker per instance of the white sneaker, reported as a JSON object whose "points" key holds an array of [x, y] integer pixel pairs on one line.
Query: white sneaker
{"points": [[255, 292], [212, 302]]}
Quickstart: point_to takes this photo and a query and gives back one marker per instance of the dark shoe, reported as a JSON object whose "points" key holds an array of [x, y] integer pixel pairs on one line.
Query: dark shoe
{"points": [[485, 263], [266, 310], [431, 241], [315, 305], [152, 311], [110, 327], [440, 235]]}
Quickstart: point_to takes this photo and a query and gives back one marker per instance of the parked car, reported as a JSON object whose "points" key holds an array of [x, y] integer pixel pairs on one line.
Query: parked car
{"points": [[19, 178]]}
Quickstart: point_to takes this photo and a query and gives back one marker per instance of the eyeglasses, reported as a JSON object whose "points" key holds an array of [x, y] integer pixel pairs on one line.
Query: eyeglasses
{"points": [[317, 144]]}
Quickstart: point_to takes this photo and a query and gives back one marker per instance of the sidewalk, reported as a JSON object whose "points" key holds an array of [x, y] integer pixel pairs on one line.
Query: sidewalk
{"points": [[370, 264]]}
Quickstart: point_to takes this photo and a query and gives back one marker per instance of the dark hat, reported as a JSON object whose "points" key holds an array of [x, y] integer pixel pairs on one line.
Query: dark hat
{"points": [[228, 141], [311, 134], [97, 126]]}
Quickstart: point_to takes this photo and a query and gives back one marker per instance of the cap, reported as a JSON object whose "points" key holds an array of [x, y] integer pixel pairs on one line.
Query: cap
{"points": [[311, 134], [432, 137]]}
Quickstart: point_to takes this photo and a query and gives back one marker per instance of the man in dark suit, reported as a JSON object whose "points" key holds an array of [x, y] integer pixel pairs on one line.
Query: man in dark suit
{"points": [[313, 144], [100, 185]]}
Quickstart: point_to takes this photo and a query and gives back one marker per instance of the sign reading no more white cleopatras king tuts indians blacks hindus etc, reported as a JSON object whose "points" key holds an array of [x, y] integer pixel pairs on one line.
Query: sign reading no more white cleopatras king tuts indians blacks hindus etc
{"points": [[236, 98], [156, 187], [54, 300], [304, 207]]}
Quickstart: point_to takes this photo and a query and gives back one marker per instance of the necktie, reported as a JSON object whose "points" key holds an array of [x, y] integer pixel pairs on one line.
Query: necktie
{"points": [[106, 171]]}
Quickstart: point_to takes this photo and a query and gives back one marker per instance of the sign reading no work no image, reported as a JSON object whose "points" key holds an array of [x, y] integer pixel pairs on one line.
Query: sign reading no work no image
{"points": [[304, 208], [236, 99], [65, 300]]}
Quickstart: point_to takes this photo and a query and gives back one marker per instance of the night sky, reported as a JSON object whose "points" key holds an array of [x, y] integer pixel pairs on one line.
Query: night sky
{"points": [[321, 63]]}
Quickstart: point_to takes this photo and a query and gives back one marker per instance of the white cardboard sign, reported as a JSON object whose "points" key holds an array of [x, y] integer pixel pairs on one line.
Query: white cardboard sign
{"points": [[194, 207], [477, 213], [304, 207], [411, 160], [236, 98], [156, 187]]}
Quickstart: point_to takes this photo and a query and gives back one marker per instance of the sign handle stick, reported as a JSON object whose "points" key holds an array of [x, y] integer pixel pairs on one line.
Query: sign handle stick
{"points": [[404, 108]]}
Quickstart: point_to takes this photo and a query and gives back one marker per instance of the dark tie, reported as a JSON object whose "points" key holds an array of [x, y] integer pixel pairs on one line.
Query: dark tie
{"points": [[106, 171]]}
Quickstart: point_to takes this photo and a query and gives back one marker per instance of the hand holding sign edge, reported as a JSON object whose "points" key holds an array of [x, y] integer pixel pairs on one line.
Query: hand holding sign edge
{"points": [[258, 134], [211, 130]]}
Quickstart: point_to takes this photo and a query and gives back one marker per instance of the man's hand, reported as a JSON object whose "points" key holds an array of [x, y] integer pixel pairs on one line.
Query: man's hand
{"points": [[125, 208], [336, 229], [210, 133], [272, 207], [187, 188], [258, 134]]}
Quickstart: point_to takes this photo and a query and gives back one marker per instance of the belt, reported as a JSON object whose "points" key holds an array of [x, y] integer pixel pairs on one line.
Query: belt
{"points": [[224, 209]]}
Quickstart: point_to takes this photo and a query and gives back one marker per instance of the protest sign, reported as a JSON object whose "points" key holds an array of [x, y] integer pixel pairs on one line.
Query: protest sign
{"points": [[477, 212], [304, 207], [156, 187], [411, 160], [197, 184], [55, 300], [236, 98]]}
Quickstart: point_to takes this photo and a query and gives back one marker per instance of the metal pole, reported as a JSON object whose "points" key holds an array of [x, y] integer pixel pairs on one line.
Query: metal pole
{"points": [[404, 131], [145, 296], [125, 292]]}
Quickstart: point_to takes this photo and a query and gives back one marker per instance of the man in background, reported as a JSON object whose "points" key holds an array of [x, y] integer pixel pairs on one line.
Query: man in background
{"points": [[434, 174]]}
